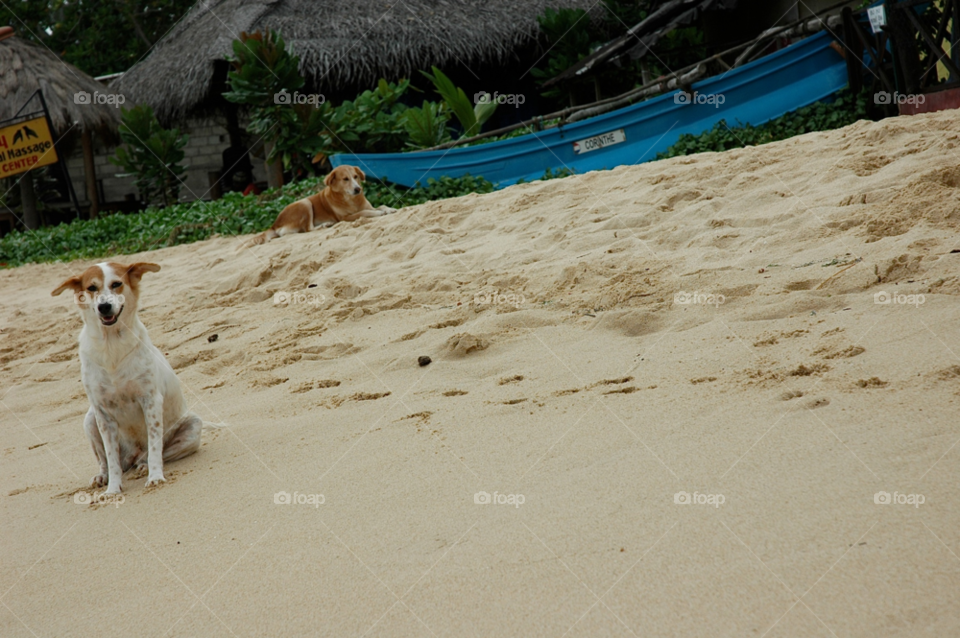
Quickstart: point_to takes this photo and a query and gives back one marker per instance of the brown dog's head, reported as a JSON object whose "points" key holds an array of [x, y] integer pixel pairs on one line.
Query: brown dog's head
{"points": [[346, 180], [108, 291]]}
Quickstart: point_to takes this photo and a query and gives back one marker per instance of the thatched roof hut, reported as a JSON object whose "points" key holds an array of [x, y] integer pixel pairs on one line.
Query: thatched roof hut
{"points": [[339, 43], [26, 67]]}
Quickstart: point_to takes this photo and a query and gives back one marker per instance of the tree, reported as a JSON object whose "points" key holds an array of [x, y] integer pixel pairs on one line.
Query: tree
{"points": [[97, 36]]}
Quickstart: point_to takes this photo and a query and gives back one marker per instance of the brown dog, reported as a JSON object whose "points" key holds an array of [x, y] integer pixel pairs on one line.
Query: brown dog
{"points": [[341, 200]]}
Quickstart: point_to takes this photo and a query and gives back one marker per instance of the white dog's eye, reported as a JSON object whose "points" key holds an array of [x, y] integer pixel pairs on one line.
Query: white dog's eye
{"points": [[115, 285], [92, 288]]}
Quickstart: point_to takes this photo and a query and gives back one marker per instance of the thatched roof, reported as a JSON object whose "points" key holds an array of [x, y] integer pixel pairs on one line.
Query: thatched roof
{"points": [[339, 43], [26, 67]]}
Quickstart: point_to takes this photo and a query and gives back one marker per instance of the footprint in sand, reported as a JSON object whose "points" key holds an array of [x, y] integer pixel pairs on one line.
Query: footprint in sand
{"points": [[617, 381], [703, 380], [314, 385], [630, 389], [368, 396], [846, 353]]}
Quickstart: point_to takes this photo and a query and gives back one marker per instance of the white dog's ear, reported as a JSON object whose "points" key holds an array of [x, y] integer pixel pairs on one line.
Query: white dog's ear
{"points": [[363, 176], [329, 178], [73, 282], [136, 271]]}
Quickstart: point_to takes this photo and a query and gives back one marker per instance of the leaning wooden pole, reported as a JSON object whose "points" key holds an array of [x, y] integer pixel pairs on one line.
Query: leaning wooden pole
{"points": [[90, 173], [28, 201]]}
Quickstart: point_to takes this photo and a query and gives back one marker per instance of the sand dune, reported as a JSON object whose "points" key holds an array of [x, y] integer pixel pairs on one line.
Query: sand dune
{"points": [[600, 345]]}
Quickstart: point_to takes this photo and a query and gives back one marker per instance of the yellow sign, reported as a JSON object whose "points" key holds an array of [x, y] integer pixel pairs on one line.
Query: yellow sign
{"points": [[25, 146]]}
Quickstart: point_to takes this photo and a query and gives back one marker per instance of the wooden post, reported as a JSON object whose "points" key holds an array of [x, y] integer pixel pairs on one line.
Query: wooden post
{"points": [[955, 36], [854, 52], [216, 190], [274, 169], [90, 173], [905, 54], [28, 200]]}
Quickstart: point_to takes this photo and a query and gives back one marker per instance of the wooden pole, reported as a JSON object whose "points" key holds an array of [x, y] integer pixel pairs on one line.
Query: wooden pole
{"points": [[28, 200], [90, 173], [274, 169]]}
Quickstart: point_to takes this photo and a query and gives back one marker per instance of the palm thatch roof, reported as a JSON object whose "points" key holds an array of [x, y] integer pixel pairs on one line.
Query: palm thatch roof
{"points": [[26, 67], [339, 43]]}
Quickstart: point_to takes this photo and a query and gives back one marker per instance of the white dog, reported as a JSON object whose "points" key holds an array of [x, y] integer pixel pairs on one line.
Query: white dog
{"points": [[137, 411]]}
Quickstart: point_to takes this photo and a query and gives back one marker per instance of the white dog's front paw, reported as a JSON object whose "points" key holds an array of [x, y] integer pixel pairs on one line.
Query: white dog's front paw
{"points": [[387, 210], [99, 480], [113, 489], [155, 479]]}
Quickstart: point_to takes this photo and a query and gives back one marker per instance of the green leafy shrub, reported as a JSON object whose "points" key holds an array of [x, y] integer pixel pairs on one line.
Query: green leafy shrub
{"points": [[427, 125], [234, 214], [373, 122], [472, 116], [377, 122], [151, 154], [845, 109], [263, 69]]}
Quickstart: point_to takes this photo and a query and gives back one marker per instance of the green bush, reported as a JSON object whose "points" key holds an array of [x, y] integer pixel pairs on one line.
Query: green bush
{"points": [[263, 77], [151, 154], [373, 122], [376, 121], [845, 109], [472, 116], [427, 125], [234, 214]]}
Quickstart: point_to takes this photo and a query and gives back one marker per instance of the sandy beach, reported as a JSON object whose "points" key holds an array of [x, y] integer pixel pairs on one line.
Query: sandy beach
{"points": [[664, 400]]}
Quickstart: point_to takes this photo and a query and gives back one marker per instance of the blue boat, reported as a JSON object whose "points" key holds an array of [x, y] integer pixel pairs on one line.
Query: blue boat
{"points": [[791, 78]]}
